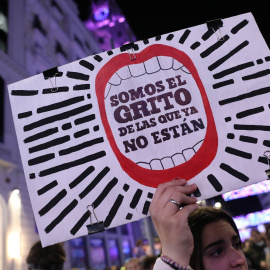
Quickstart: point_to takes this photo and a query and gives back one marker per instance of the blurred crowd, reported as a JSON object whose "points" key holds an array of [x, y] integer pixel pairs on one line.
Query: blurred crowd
{"points": [[257, 250]]}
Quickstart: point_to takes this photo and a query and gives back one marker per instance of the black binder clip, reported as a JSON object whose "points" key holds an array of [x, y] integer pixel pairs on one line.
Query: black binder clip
{"points": [[215, 25], [268, 161], [52, 73], [94, 227], [130, 46]]}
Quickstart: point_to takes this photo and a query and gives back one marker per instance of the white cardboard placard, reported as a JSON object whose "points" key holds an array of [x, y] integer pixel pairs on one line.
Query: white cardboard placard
{"points": [[109, 128]]}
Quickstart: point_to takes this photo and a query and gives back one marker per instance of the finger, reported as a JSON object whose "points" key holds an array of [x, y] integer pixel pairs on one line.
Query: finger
{"points": [[174, 193], [172, 208], [163, 187]]}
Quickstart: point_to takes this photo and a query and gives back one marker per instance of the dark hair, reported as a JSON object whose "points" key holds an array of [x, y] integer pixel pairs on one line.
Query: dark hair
{"points": [[148, 261], [50, 257], [197, 221]]}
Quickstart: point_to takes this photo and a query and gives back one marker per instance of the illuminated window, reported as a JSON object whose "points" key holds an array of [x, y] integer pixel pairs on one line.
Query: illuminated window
{"points": [[3, 25], [1, 110]]}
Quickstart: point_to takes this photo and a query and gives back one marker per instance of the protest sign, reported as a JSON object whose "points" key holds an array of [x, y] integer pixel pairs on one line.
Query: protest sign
{"points": [[106, 130]]}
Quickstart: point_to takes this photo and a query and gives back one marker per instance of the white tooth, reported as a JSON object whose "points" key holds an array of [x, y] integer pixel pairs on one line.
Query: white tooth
{"points": [[156, 164], [137, 70], [165, 62], [144, 165], [115, 80], [167, 163], [152, 65], [176, 65], [178, 159], [197, 146], [188, 154], [107, 90], [124, 73], [184, 69]]}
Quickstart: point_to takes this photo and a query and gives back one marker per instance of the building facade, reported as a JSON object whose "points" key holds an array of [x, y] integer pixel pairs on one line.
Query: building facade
{"points": [[36, 35]]}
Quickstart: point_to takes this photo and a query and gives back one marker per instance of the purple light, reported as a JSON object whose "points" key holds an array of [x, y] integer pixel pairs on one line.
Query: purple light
{"points": [[101, 14], [122, 19], [111, 24], [254, 189]]}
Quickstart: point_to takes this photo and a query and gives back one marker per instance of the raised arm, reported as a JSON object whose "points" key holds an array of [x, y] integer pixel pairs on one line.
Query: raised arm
{"points": [[171, 223]]}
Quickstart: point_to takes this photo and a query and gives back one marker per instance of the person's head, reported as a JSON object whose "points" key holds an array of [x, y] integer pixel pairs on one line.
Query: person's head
{"points": [[50, 257], [148, 262], [133, 264], [256, 236], [217, 243]]}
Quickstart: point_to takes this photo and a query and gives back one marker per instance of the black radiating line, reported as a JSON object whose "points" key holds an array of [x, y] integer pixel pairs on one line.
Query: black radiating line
{"points": [[47, 187], [214, 182], [214, 47], [208, 34], [224, 83], [197, 193], [266, 143], [81, 177], [94, 183], [59, 105], [55, 90], [145, 41], [136, 198], [113, 210], [253, 93], [256, 75], [77, 76], [81, 133], [80, 223], [98, 58], [238, 153], [57, 117], [158, 38], [251, 127], [49, 144], [234, 172], [184, 37], [169, 37], [68, 165], [41, 135], [146, 207], [248, 139], [195, 45], [227, 56], [66, 126], [80, 146], [263, 160], [87, 65], [249, 112], [24, 92], [53, 202], [110, 53], [233, 70], [61, 216], [239, 26], [24, 115], [85, 119], [41, 159], [81, 87], [105, 192], [230, 136]]}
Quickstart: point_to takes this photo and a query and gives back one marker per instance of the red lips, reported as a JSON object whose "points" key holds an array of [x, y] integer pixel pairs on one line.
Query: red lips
{"points": [[208, 149]]}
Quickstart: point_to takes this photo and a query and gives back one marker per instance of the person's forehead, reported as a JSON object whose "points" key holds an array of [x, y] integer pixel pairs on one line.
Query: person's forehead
{"points": [[216, 231]]}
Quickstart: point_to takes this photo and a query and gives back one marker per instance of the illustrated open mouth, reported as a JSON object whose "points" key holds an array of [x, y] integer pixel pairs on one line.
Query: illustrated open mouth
{"points": [[156, 115]]}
